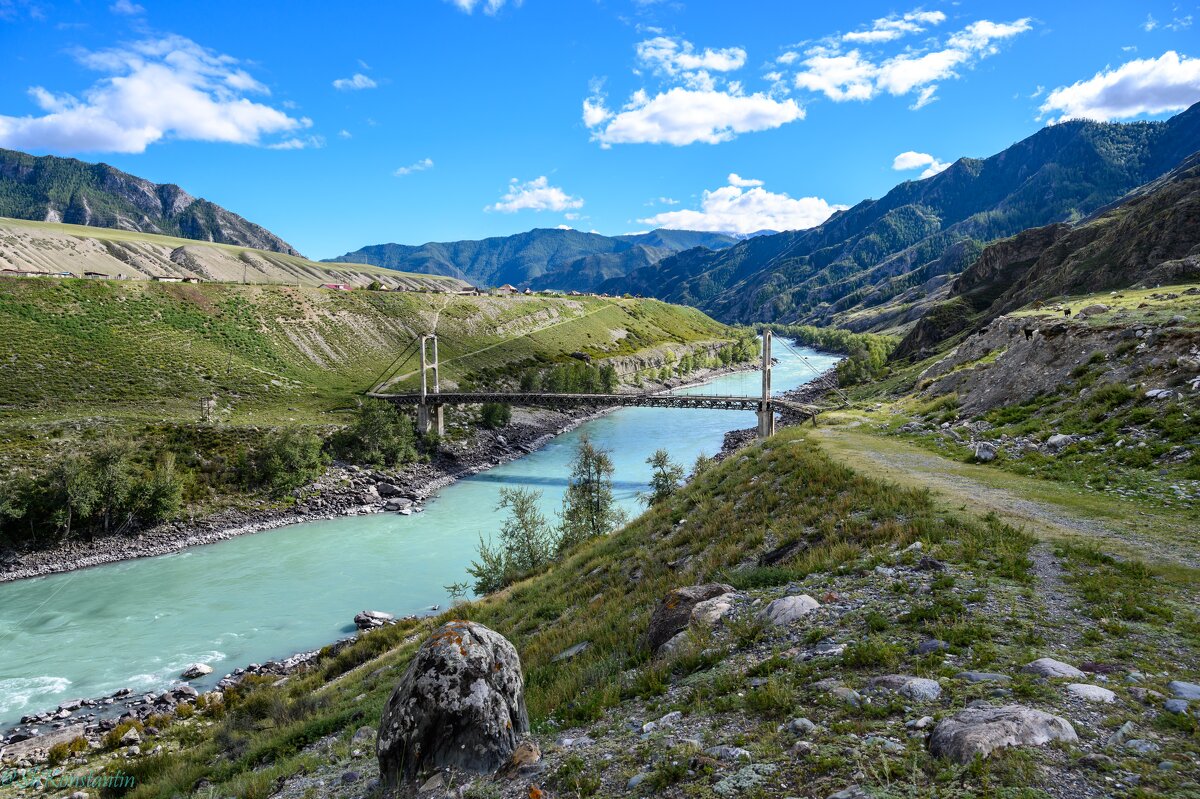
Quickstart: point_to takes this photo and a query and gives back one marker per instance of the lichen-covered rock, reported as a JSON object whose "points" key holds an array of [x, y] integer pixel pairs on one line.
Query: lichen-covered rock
{"points": [[981, 731], [918, 689], [674, 613], [460, 705]]}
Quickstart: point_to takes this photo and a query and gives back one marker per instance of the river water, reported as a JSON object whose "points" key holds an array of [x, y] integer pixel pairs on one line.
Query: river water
{"points": [[138, 623]]}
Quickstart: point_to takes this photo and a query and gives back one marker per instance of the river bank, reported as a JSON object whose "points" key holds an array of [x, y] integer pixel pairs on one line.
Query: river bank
{"points": [[344, 490]]}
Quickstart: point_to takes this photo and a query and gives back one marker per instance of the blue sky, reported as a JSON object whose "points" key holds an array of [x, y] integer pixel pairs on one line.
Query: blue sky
{"points": [[431, 120]]}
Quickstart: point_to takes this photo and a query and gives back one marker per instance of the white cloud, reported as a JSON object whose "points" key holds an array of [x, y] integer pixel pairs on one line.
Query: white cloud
{"points": [[853, 75], [887, 29], [419, 166], [742, 183], [299, 143], [344, 134], [746, 207], [682, 116], [1180, 23], [489, 7], [534, 195], [673, 56], [1170, 82], [355, 82], [1150, 24], [168, 87], [914, 160], [126, 7]]}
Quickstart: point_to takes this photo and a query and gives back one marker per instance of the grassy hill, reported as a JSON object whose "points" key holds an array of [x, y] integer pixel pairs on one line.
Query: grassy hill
{"points": [[49, 246], [152, 350], [994, 597]]}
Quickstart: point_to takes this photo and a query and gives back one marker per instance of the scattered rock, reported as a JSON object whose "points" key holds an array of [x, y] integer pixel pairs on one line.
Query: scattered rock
{"points": [[674, 613], [1091, 693], [387, 489], [1184, 690], [932, 645], [728, 753], [571, 652], [1057, 441], [985, 452], [372, 619], [196, 670], [131, 737], [982, 676], [460, 704], [1049, 667], [918, 689], [789, 608], [1176, 706], [980, 732]]}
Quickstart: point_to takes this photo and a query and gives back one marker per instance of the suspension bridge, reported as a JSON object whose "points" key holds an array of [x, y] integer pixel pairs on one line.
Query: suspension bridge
{"points": [[430, 399]]}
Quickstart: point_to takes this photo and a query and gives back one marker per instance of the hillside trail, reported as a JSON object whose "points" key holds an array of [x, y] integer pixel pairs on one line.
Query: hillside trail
{"points": [[1053, 511]]}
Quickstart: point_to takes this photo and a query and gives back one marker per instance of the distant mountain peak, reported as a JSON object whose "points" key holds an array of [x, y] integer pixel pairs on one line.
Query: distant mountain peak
{"points": [[52, 189]]}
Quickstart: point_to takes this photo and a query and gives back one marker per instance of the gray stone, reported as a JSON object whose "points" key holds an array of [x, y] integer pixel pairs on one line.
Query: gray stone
{"points": [[196, 670], [1057, 441], [1122, 734], [131, 737], [674, 613], [711, 611], [853, 792], [1141, 746], [727, 753], [387, 489], [982, 676], [460, 704], [635, 781], [1176, 706], [1049, 667], [1091, 693], [789, 608], [371, 619], [980, 732], [800, 726], [932, 645], [1184, 690], [918, 689], [985, 452], [571, 652]]}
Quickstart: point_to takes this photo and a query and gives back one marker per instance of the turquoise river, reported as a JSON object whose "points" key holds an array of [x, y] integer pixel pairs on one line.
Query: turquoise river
{"points": [[138, 623]]}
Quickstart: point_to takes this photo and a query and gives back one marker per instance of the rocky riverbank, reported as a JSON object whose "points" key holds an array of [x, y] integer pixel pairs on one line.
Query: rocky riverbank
{"points": [[344, 490]]}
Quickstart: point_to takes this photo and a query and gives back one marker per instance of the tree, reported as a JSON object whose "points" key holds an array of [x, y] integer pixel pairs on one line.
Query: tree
{"points": [[494, 415], [112, 471], [526, 543], [703, 463], [379, 435], [666, 477], [74, 492], [589, 509]]}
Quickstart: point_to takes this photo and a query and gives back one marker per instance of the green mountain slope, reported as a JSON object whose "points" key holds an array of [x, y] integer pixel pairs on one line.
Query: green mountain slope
{"points": [[875, 266], [1152, 238], [541, 258], [52, 189]]}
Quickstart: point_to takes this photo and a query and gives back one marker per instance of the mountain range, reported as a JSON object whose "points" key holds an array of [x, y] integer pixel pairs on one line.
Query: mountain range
{"points": [[543, 258], [52, 189], [881, 264]]}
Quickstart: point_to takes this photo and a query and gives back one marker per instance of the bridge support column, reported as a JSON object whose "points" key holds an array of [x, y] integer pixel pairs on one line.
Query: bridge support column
{"points": [[766, 411], [429, 414], [430, 417]]}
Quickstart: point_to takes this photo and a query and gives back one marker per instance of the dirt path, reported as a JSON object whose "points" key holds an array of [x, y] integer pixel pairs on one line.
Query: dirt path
{"points": [[1050, 510]]}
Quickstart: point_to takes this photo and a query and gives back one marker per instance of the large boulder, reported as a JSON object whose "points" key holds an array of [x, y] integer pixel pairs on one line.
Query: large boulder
{"points": [[981, 731], [1049, 667], [372, 619], [460, 705], [674, 613], [196, 671]]}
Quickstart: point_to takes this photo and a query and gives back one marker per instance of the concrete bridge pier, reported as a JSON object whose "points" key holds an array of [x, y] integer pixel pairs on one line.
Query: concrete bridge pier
{"points": [[430, 417]]}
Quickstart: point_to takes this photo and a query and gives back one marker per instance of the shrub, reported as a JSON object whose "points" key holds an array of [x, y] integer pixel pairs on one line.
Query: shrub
{"points": [[494, 415], [286, 459], [379, 435]]}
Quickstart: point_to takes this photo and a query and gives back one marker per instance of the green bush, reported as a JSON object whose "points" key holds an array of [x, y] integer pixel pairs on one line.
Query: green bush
{"points": [[379, 435], [286, 459], [495, 415]]}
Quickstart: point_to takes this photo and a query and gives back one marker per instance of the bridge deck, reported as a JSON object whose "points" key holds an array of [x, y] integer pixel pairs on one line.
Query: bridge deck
{"points": [[736, 403]]}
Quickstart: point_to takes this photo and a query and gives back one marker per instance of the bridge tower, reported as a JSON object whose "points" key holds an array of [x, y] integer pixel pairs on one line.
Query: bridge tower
{"points": [[429, 412], [766, 410]]}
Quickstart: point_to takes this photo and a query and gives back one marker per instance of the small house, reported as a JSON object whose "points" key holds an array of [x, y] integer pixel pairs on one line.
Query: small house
{"points": [[191, 280], [166, 279], [97, 275], [528, 292], [507, 288], [336, 286]]}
